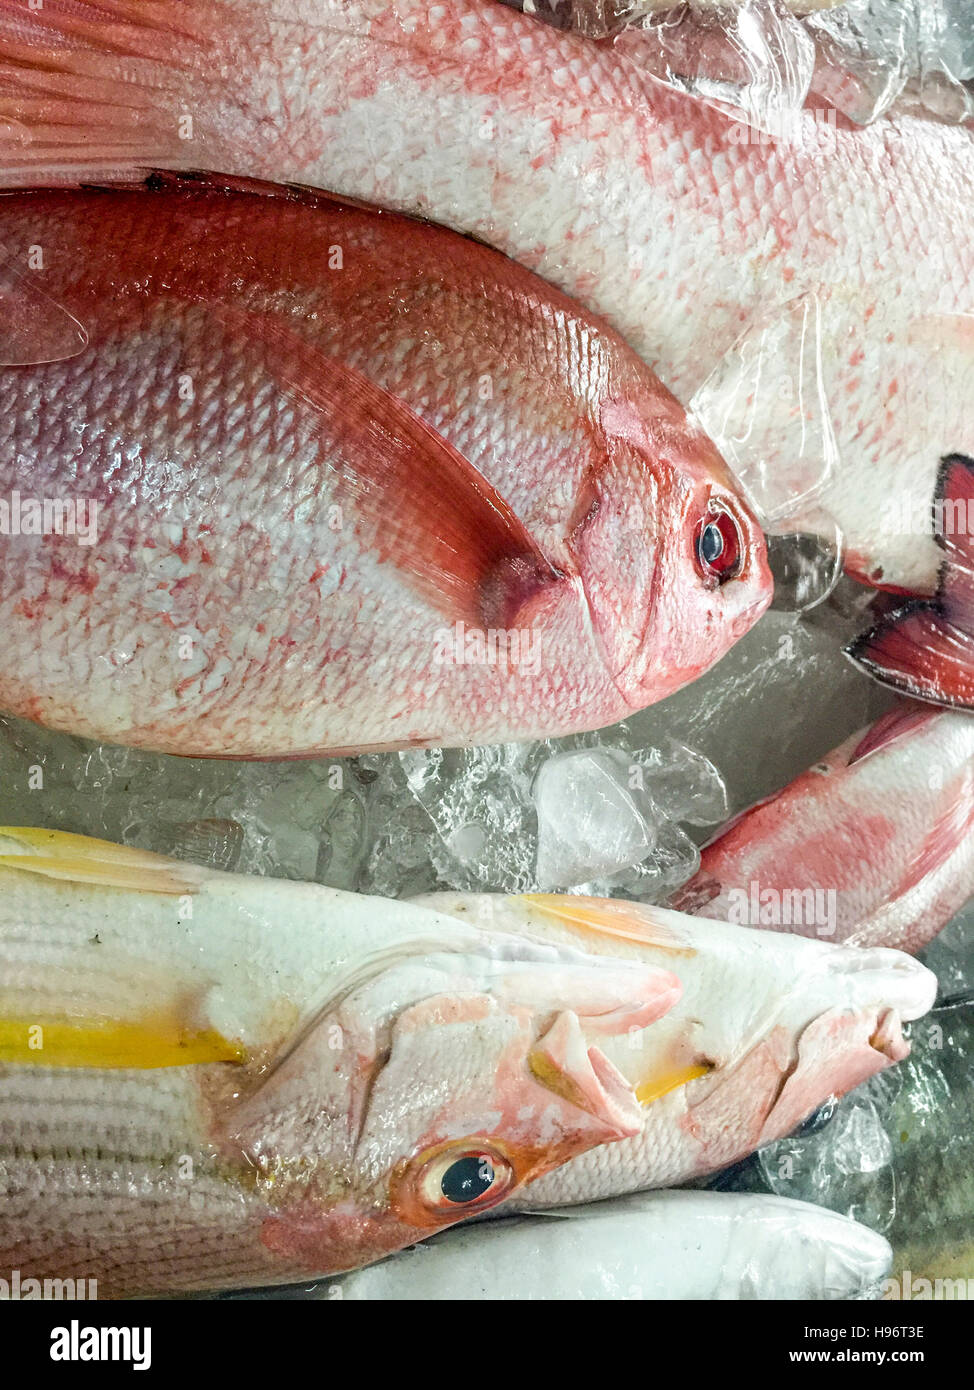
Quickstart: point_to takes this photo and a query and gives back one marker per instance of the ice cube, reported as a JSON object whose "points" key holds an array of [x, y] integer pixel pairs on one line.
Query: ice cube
{"points": [[594, 817]]}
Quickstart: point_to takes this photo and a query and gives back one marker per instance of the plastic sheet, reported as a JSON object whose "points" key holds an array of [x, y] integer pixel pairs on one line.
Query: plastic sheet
{"points": [[897, 1154], [764, 59]]}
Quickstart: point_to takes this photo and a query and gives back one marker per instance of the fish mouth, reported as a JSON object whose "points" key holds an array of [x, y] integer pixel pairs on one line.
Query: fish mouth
{"points": [[888, 1039]]}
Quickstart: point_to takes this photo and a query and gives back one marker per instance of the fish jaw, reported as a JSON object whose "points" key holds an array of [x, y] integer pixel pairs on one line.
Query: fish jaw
{"points": [[446, 1062], [661, 616], [832, 1033]]}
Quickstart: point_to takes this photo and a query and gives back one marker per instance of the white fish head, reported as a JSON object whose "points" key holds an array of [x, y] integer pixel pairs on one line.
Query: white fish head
{"points": [[768, 1027], [434, 1084]]}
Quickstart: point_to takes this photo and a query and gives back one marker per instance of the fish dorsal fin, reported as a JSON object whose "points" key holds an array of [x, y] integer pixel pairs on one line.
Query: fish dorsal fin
{"points": [[82, 859], [613, 917]]}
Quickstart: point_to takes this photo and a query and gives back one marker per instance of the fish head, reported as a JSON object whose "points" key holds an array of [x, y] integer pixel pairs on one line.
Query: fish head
{"points": [[768, 1027], [672, 559], [435, 1087], [777, 1024]]}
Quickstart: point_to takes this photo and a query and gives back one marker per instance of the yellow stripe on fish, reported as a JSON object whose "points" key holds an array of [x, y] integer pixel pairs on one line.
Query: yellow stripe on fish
{"points": [[664, 1082], [158, 1040]]}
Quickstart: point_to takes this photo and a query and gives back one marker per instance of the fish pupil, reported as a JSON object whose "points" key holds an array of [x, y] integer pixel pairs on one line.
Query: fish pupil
{"points": [[467, 1179], [711, 544]]}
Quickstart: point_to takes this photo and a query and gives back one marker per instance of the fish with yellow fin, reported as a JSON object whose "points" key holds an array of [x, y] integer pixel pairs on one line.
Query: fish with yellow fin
{"points": [[210, 1080]]}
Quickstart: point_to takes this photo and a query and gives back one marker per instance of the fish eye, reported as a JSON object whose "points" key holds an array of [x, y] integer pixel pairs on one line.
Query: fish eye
{"points": [[718, 545], [459, 1177], [468, 1179]]}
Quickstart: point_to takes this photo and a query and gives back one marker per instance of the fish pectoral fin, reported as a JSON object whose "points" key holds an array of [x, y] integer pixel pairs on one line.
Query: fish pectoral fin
{"points": [[926, 647], [564, 1063], [164, 1038], [887, 729], [413, 499], [611, 917], [82, 859]]}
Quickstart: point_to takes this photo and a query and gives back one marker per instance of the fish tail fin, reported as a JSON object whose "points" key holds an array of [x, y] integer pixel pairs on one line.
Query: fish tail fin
{"points": [[926, 647], [103, 91]]}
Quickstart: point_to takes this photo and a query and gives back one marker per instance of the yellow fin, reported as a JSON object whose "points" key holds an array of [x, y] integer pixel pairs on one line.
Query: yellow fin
{"points": [[82, 859], [157, 1040], [663, 1082], [610, 917]]}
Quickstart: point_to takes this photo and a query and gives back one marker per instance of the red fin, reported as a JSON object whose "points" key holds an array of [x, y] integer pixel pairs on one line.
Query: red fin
{"points": [[99, 89], [33, 328], [418, 503], [890, 727], [926, 647]]}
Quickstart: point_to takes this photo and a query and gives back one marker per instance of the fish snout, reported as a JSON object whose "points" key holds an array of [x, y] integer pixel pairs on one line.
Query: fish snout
{"points": [[883, 977]]}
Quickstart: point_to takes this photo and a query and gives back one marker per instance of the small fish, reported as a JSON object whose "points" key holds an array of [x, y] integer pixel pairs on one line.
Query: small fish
{"points": [[257, 1081], [838, 258], [652, 1245], [874, 845], [283, 477]]}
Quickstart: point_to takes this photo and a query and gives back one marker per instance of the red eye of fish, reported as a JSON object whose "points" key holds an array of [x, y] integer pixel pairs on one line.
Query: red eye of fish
{"points": [[718, 546]]}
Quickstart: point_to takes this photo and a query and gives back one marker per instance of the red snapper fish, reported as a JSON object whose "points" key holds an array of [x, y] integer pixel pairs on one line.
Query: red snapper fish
{"points": [[874, 845], [836, 262], [308, 478]]}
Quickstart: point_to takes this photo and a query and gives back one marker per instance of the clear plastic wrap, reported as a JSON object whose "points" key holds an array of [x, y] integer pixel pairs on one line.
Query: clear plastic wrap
{"points": [[763, 59]]}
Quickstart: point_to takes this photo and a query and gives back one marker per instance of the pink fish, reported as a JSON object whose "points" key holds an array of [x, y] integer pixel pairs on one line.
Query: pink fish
{"points": [[282, 477], [841, 246], [874, 845]]}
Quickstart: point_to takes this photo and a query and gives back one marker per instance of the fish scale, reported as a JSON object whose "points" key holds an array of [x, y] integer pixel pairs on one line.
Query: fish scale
{"points": [[567, 155], [275, 572], [347, 1048]]}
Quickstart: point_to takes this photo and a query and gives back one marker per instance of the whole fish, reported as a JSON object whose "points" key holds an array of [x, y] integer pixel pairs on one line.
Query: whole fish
{"points": [[257, 1081], [651, 1245], [827, 274], [280, 477], [874, 845]]}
